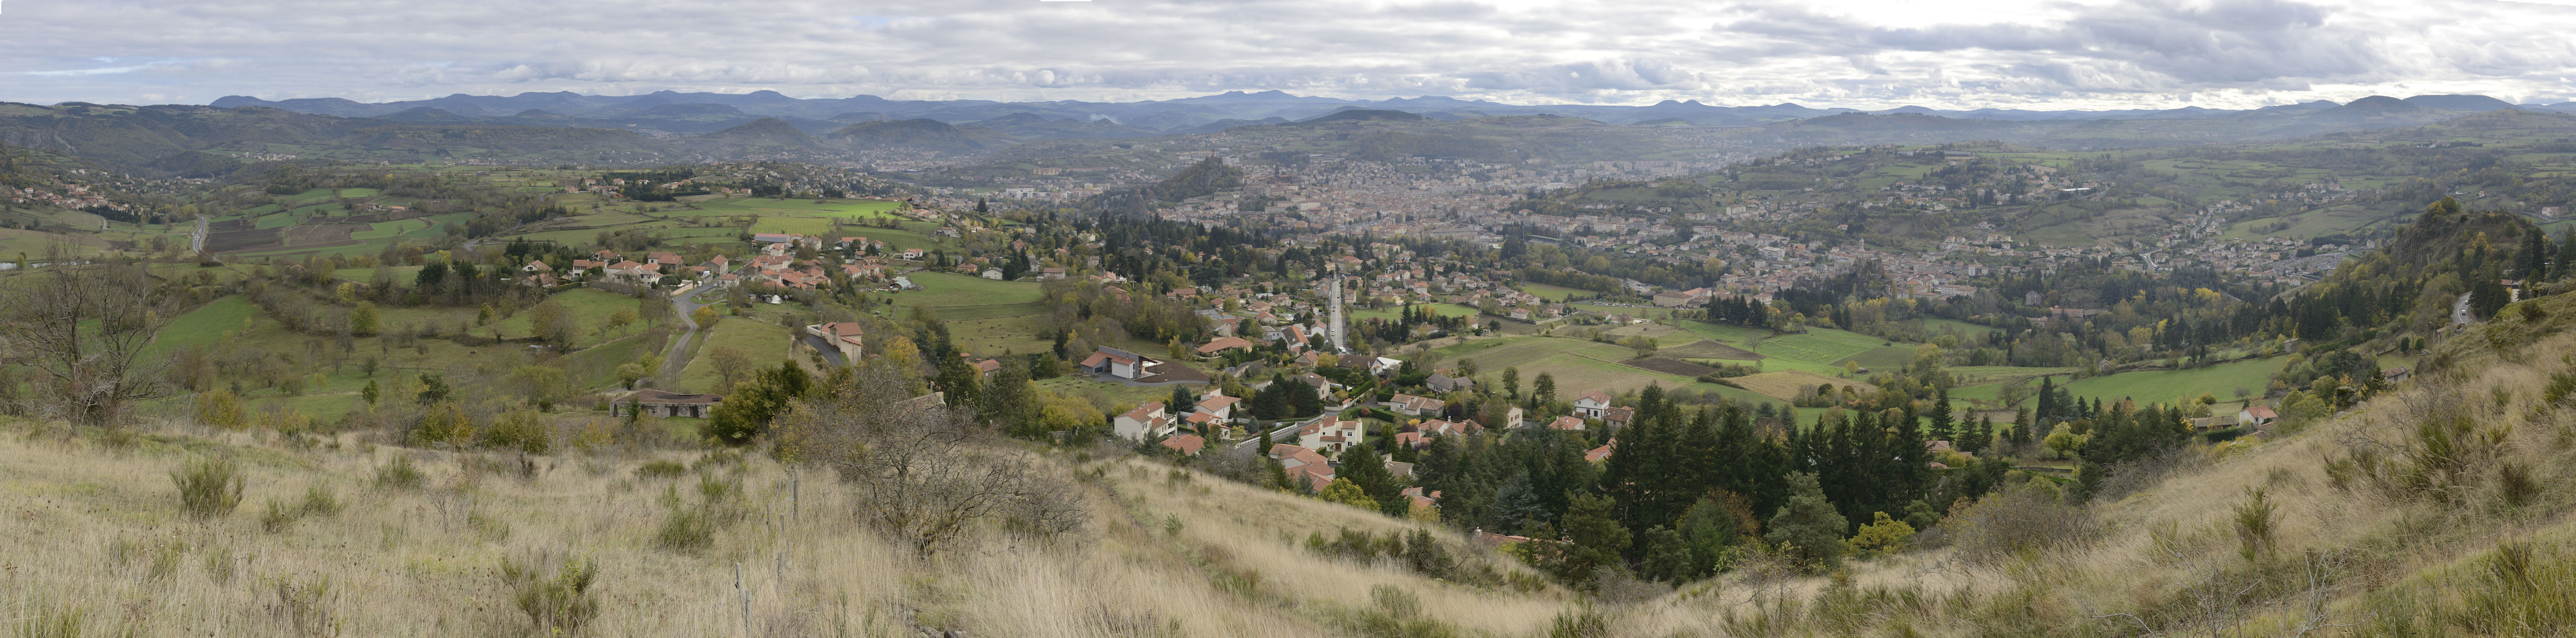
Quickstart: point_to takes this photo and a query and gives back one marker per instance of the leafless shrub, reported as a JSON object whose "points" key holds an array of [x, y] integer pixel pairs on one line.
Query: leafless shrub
{"points": [[921, 471], [82, 330]]}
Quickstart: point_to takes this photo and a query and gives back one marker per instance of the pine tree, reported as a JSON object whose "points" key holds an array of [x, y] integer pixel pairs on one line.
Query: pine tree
{"points": [[1361, 466], [2047, 409], [1808, 524], [1593, 540], [1942, 429], [2566, 255], [1303, 400], [961, 382], [1011, 401]]}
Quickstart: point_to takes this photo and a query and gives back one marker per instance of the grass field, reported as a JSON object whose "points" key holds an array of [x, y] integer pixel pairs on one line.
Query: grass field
{"points": [[202, 327], [1391, 312], [589, 306], [1578, 366], [2163, 386], [1785, 385], [1555, 293], [1819, 349], [993, 335], [763, 343], [955, 296], [597, 367]]}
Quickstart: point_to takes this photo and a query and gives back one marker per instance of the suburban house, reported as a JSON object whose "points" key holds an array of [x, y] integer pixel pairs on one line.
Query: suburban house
{"points": [[1601, 454], [1328, 434], [2257, 416], [1144, 422], [1446, 383], [844, 336], [1217, 405], [1565, 423], [1302, 463], [1186, 444], [1050, 273], [1618, 417], [1119, 363], [1436, 428], [1591, 405], [660, 403], [2398, 374], [537, 266], [1219, 345], [1411, 405], [633, 271]]}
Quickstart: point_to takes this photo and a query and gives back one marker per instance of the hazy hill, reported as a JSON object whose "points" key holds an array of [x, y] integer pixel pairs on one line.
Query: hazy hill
{"points": [[764, 135], [1151, 116], [914, 134]]}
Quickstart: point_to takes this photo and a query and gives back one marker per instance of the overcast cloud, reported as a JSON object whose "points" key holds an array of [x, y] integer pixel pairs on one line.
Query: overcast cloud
{"points": [[1865, 54]]}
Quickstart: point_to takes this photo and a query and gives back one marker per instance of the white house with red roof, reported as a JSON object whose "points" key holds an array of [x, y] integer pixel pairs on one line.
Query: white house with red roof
{"points": [[1592, 404], [1144, 422], [1119, 363], [1217, 404], [1329, 434]]}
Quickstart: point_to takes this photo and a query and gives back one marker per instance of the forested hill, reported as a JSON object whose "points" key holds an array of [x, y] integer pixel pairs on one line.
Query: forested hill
{"points": [[2410, 284], [1207, 177]]}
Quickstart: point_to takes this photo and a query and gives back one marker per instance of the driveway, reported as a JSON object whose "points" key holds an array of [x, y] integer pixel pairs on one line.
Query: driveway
{"points": [[672, 360], [830, 352]]}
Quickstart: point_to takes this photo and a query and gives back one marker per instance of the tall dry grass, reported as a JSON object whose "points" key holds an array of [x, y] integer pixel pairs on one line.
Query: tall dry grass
{"points": [[99, 539]]}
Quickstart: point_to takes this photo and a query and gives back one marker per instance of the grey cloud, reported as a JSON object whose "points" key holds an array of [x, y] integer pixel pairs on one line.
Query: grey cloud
{"points": [[1756, 52]]}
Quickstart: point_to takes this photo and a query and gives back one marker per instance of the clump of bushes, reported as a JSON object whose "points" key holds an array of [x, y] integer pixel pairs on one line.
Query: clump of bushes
{"points": [[558, 599], [693, 526], [208, 488], [398, 475], [280, 515]]}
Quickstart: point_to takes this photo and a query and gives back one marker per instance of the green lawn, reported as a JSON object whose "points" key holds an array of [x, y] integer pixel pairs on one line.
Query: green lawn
{"points": [[1391, 312], [202, 327], [764, 344], [597, 366], [955, 296], [589, 306], [1555, 293], [2163, 386]]}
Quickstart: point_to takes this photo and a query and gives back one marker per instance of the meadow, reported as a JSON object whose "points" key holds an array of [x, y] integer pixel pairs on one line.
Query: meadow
{"points": [[761, 343], [590, 307]]}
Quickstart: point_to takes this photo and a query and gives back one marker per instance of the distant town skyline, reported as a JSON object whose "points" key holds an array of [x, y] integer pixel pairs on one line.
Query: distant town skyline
{"points": [[2029, 54]]}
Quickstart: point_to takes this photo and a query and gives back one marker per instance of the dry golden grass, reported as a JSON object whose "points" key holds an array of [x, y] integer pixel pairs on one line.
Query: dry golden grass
{"points": [[96, 530]]}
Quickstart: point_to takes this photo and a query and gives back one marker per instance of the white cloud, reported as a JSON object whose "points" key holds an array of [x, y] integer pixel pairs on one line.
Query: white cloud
{"points": [[2016, 53]]}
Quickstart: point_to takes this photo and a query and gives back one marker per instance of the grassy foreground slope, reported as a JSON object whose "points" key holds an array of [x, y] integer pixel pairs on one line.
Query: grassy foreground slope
{"points": [[98, 539]]}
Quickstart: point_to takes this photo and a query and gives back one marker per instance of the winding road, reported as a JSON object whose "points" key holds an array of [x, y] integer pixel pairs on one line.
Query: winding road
{"points": [[675, 360]]}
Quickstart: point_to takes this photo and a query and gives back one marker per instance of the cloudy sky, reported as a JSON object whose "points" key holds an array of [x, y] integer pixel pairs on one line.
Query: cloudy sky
{"points": [[1855, 53]]}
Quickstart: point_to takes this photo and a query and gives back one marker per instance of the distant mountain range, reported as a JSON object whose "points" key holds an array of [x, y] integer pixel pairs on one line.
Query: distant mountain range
{"points": [[561, 128], [695, 113]]}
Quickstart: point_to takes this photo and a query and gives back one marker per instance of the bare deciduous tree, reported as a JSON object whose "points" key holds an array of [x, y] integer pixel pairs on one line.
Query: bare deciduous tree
{"points": [[922, 471], [83, 328]]}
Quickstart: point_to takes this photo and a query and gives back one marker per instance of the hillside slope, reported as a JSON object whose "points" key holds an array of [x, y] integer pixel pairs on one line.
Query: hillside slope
{"points": [[98, 537], [2438, 508]]}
